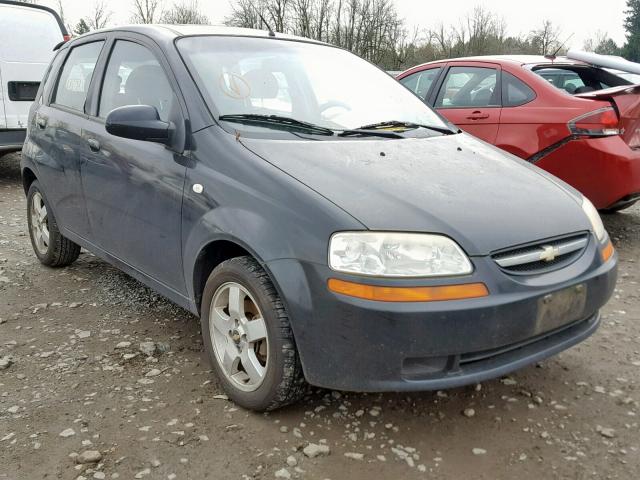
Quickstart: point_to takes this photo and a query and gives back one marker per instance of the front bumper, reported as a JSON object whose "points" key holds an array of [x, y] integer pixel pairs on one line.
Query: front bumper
{"points": [[359, 345], [11, 140], [605, 170]]}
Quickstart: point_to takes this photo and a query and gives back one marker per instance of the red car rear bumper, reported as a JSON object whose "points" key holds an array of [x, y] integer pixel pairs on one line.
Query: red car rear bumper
{"points": [[605, 170]]}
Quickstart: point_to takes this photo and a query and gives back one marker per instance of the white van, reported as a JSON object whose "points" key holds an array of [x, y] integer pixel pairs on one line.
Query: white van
{"points": [[28, 35]]}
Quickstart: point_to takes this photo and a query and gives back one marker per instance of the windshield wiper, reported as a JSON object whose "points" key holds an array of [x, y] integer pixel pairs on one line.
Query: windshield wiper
{"points": [[277, 121], [393, 124], [369, 133]]}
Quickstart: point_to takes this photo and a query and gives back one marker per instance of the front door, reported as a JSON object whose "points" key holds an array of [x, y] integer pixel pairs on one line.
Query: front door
{"points": [[470, 98], [133, 189]]}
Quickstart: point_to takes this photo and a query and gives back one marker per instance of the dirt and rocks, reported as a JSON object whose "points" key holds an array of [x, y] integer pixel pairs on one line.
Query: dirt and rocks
{"points": [[100, 378]]}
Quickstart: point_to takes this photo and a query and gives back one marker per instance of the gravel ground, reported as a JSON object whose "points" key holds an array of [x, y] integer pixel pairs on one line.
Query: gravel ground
{"points": [[102, 378]]}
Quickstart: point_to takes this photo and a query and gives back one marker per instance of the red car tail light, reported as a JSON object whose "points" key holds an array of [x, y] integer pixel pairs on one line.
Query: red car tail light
{"points": [[603, 122], [66, 38]]}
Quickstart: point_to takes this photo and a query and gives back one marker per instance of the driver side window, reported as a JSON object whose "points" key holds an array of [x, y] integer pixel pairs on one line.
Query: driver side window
{"points": [[135, 77], [469, 87]]}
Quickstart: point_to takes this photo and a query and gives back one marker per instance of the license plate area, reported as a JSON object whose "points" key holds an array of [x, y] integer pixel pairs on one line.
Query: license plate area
{"points": [[561, 308]]}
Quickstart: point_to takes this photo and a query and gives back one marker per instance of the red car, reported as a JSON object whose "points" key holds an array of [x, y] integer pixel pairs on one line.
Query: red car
{"points": [[575, 120]]}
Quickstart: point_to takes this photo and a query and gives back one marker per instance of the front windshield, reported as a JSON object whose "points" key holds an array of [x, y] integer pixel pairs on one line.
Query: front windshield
{"points": [[321, 85]]}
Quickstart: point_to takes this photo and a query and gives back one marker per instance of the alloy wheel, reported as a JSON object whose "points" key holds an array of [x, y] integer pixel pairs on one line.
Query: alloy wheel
{"points": [[239, 336], [39, 223]]}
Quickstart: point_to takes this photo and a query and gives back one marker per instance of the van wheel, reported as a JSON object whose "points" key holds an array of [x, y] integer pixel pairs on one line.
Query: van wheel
{"points": [[51, 248], [248, 337]]}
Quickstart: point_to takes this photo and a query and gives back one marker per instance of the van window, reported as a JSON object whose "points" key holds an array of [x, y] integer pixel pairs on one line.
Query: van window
{"points": [[135, 77], [75, 78], [27, 35]]}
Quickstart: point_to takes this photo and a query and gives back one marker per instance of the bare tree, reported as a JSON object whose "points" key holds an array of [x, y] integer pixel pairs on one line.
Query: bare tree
{"points": [[374, 30], [185, 12], [99, 17], [146, 11], [245, 14], [546, 40]]}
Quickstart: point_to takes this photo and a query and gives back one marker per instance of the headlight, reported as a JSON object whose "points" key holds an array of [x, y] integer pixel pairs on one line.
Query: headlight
{"points": [[594, 218], [397, 255]]}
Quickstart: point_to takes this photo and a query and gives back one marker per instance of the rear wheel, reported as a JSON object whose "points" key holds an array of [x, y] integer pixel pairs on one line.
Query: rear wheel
{"points": [[248, 337], [51, 248]]}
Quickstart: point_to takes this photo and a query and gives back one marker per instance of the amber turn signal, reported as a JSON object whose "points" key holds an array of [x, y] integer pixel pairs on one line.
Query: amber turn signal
{"points": [[607, 251], [408, 294]]}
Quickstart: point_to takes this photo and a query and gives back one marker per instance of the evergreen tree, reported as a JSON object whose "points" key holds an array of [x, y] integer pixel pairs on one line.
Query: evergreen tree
{"points": [[632, 26], [81, 27]]}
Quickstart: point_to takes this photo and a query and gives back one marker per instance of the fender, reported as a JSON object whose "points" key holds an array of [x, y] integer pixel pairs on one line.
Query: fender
{"points": [[236, 226]]}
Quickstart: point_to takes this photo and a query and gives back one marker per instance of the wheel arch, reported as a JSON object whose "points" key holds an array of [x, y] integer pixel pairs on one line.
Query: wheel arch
{"points": [[209, 257], [28, 177], [213, 254]]}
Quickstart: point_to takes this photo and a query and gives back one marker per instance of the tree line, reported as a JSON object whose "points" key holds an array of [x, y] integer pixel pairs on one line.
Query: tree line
{"points": [[374, 29]]}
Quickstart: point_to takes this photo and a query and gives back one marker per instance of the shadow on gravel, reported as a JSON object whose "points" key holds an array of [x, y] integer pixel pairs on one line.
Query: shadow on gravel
{"points": [[10, 168]]}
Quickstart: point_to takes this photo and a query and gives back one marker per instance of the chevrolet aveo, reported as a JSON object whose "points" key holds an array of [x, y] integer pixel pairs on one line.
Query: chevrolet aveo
{"points": [[327, 229]]}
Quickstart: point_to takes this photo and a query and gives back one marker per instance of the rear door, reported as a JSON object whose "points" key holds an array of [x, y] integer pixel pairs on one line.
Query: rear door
{"points": [[56, 132], [469, 96]]}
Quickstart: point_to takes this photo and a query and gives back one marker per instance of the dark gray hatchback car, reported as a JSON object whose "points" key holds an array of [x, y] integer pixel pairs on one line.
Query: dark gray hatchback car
{"points": [[322, 221]]}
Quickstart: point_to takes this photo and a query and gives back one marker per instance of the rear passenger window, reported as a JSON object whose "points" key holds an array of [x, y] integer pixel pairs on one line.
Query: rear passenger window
{"points": [[514, 91], [73, 83], [135, 77], [421, 82]]}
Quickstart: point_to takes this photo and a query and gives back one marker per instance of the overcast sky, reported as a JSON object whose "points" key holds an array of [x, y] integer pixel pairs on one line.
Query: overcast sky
{"points": [[583, 19]]}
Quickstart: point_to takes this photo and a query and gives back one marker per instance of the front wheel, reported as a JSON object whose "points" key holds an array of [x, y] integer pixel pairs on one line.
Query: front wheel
{"points": [[248, 337], [51, 248]]}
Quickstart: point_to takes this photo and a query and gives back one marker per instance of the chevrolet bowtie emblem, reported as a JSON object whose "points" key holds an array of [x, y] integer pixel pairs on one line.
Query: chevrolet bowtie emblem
{"points": [[549, 253]]}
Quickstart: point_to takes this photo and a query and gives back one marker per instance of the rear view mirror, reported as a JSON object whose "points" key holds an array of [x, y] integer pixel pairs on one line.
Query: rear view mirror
{"points": [[138, 122]]}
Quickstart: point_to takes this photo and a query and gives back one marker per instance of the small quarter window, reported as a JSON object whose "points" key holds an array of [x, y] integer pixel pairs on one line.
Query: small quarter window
{"points": [[74, 81], [514, 91]]}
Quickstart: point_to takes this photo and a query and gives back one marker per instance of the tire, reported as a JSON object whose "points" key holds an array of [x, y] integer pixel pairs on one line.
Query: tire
{"points": [[53, 250], [231, 336]]}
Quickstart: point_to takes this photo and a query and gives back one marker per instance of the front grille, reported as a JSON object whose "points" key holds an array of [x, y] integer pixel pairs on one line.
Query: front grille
{"points": [[542, 257]]}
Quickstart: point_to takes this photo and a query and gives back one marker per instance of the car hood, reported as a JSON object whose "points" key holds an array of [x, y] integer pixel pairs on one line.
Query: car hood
{"points": [[456, 185]]}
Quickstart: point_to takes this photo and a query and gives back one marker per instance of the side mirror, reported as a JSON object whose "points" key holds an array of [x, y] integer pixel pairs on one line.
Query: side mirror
{"points": [[138, 122]]}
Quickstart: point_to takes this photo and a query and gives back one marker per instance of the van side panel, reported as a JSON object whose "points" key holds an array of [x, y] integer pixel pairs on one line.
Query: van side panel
{"points": [[27, 38], [3, 119]]}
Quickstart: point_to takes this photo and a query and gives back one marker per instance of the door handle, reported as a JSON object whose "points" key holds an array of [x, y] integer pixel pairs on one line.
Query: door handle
{"points": [[42, 123], [94, 144], [478, 116]]}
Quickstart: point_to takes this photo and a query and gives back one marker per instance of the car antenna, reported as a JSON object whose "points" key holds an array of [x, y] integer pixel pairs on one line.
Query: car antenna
{"points": [[552, 57], [271, 32]]}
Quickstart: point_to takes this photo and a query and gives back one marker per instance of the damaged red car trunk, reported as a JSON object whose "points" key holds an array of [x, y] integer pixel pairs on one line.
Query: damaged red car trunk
{"points": [[578, 121]]}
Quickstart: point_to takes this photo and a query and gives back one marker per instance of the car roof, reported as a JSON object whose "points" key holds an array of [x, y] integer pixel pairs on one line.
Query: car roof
{"points": [[169, 32], [519, 60]]}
